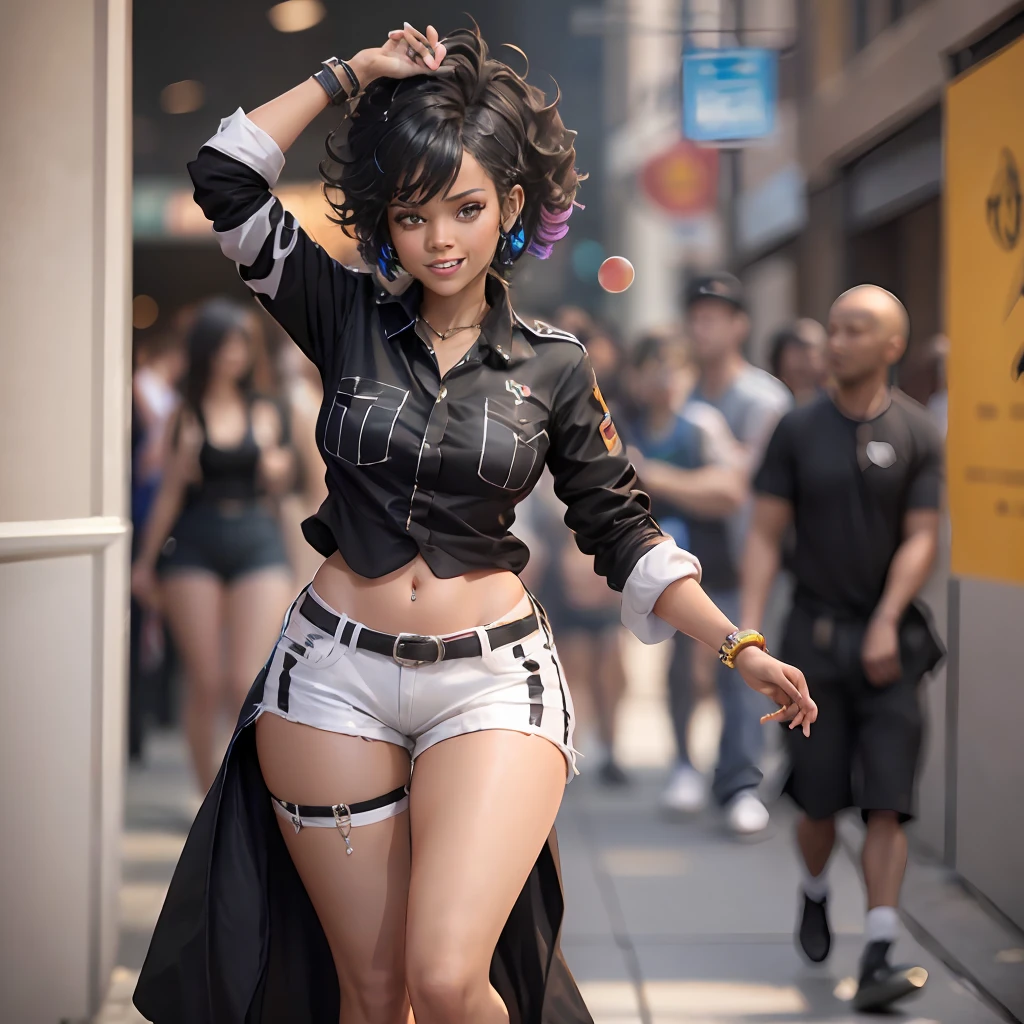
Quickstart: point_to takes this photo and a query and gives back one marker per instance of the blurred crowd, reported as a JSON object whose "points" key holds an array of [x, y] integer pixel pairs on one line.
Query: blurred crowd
{"points": [[225, 468]]}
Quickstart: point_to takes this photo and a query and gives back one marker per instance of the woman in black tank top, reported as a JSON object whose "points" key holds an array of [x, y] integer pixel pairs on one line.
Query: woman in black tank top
{"points": [[212, 553]]}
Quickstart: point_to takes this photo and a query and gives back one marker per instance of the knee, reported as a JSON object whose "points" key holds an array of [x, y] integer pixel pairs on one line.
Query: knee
{"points": [[442, 984], [884, 821], [378, 998]]}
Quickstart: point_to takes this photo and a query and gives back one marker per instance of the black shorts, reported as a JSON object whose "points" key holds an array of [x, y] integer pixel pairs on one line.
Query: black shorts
{"points": [[864, 748], [226, 540]]}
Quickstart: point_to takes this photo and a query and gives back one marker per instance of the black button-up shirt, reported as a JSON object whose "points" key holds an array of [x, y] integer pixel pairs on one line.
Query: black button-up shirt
{"points": [[418, 463]]}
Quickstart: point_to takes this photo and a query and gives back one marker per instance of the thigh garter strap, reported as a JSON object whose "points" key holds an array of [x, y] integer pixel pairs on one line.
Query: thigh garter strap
{"points": [[343, 817]]}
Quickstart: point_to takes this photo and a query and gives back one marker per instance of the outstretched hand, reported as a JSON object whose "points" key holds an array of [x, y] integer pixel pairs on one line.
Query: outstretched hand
{"points": [[781, 683], [407, 52]]}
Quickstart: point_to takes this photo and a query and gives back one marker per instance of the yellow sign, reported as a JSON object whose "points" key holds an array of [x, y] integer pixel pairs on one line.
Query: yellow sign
{"points": [[985, 316]]}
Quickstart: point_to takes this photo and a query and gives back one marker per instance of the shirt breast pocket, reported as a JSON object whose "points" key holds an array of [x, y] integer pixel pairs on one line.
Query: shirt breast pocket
{"points": [[362, 420], [510, 449]]}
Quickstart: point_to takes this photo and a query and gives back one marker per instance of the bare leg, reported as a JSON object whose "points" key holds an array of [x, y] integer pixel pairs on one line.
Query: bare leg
{"points": [[576, 654], [609, 684], [256, 604], [194, 608], [815, 839], [471, 857], [884, 858], [360, 899]]}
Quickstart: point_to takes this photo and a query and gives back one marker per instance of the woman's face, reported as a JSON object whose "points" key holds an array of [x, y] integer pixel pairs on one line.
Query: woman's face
{"points": [[233, 359], [449, 241]]}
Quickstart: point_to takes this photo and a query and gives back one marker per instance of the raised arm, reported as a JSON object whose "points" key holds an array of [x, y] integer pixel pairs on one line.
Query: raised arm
{"points": [[298, 283]]}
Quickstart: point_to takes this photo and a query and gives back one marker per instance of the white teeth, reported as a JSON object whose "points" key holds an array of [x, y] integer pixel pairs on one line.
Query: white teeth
{"points": [[444, 266]]}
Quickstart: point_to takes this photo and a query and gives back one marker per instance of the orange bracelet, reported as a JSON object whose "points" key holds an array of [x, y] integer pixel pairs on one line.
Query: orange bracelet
{"points": [[735, 642]]}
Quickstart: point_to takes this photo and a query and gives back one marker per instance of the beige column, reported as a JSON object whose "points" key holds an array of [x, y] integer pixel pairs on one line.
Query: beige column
{"points": [[65, 183]]}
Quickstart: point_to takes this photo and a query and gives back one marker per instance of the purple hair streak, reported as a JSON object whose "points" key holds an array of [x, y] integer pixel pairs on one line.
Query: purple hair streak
{"points": [[554, 224]]}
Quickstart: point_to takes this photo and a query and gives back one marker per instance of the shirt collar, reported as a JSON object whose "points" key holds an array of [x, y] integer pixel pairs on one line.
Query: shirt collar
{"points": [[501, 343]]}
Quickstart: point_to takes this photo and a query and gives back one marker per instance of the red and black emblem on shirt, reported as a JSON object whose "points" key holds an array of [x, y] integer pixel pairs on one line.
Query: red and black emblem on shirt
{"points": [[607, 430]]}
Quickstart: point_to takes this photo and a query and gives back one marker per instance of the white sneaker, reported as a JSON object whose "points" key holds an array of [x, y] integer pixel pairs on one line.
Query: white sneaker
{"points": [[746, 814], [686, 792]]}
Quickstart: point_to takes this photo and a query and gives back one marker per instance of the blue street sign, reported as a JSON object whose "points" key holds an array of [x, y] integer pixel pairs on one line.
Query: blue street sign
{"points": [[729, 95]]}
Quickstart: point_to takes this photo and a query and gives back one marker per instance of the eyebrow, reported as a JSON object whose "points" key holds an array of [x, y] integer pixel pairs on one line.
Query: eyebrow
{"points": [[448, 199]]}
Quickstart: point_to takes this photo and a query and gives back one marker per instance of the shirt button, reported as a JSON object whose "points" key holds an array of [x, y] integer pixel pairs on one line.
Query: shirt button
{"points": [[443, 394], [425, 446]]}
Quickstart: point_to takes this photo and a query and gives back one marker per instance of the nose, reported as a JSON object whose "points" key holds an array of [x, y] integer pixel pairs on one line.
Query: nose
{"points": [[439, 235]]}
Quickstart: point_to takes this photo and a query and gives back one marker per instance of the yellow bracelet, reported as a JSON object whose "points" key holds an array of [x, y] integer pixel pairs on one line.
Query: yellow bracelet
{"points": [[735, 642]]}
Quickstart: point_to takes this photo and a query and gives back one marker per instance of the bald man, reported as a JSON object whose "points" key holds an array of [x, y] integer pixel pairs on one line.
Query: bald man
{"points": [[858, 472]]}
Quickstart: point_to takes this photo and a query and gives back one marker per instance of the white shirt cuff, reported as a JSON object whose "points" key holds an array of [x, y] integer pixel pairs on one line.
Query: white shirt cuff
{"points": [[249, 144], [663, 564]]}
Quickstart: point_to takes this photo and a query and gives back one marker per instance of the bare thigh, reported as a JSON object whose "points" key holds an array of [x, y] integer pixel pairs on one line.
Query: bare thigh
{"points": [[360, 899], [256, 604], [475, 840], [193, 604]]}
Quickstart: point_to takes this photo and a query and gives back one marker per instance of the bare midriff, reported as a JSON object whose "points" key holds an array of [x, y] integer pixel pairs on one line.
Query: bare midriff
{"points": [[441, 606]]}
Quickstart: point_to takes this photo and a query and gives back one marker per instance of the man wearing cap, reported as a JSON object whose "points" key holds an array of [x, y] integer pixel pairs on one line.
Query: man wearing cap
{"points": [[751, 401], [858, 473]]}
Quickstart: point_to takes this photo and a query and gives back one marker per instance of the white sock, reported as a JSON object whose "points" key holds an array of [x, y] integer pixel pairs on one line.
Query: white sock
{"points": [[882, 925], [815, 886]]}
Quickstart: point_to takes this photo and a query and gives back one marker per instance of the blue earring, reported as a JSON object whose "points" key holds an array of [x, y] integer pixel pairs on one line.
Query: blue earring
{"points": [[511, 243], [387, 262]]}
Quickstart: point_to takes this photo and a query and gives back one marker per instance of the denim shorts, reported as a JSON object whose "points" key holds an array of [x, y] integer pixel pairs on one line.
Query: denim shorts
{"points": [[317, 679]]}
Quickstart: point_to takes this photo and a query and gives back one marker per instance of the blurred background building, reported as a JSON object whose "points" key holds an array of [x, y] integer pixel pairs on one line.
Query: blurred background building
{"points": [[104, 249]]}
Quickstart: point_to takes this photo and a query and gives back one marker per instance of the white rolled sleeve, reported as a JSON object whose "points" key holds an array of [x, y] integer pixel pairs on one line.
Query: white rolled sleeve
{"points": [[663, 564]]}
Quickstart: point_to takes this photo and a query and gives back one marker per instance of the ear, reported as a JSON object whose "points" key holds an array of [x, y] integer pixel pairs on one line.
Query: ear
{"points": [[513, 206], [897, 347]]}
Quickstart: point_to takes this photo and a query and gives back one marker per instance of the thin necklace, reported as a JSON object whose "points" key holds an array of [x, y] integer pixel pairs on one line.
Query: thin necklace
{"points": [[445, 335]]}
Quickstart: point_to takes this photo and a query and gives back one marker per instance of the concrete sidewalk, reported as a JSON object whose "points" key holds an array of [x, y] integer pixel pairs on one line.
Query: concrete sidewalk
{"points": [[666, 921], [677, 922]]}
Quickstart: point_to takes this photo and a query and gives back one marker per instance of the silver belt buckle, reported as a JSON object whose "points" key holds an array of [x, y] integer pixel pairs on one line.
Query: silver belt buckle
{"points": [[415, 662]]}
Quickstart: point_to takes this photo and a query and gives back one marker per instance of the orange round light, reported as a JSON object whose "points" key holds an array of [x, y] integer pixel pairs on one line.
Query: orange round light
{"points": [[616, 274], [144, 312]]}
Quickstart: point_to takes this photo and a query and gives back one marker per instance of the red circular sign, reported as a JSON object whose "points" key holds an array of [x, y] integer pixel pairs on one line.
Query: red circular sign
{"points": [[682, 179]]}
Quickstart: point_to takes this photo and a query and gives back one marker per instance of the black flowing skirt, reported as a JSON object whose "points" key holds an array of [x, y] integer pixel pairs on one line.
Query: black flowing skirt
{"points": [[238, 940]]}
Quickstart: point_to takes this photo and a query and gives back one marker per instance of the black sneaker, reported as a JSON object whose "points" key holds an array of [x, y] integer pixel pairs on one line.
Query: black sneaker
{"points": [[814, 934], [610, 774], [881, 984]]}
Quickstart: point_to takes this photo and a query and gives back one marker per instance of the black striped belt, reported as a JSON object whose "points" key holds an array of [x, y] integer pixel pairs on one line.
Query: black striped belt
{"points": [[412, 649]]}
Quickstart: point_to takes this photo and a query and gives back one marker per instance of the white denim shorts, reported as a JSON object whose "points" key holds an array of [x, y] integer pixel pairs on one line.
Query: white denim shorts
{"points": [[318, 680]]}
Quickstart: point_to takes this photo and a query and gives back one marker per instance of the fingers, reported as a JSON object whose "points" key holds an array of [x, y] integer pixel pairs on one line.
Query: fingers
{"points": [[421, 46], [423, 51], [796, 677], [882, 671]]}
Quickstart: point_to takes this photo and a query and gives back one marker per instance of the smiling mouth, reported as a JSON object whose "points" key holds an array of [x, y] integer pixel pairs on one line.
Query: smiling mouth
{"points": [[446, 264]]}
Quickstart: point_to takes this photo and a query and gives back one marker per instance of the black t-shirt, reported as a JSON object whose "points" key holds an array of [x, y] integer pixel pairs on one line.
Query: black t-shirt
{"points": [[851, 484]]}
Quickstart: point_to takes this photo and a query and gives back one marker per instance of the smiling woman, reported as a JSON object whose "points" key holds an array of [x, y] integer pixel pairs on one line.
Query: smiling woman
{"points": [[322, 872]]}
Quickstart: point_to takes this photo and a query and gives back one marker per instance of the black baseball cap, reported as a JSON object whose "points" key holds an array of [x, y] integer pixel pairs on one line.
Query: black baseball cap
{"points": [[720, 285]]}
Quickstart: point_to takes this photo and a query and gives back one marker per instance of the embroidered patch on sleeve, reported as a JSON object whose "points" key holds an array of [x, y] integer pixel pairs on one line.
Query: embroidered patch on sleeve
{"points": [[607, 429]]}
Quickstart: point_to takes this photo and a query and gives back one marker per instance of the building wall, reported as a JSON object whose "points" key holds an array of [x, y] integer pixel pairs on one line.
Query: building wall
{"points": [[870, 146], [862, 97], [64, 292]]}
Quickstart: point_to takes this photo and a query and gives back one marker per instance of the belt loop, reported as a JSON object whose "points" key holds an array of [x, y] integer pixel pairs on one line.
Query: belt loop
{"points": [[485, 640]]}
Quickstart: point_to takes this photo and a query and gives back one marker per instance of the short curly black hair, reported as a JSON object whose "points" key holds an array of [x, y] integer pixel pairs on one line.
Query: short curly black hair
{"points": [[404, 139]]}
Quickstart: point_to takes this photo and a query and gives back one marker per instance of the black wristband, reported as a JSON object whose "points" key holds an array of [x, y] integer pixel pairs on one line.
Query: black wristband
{"points": [[347, 68], [330, 82]]}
